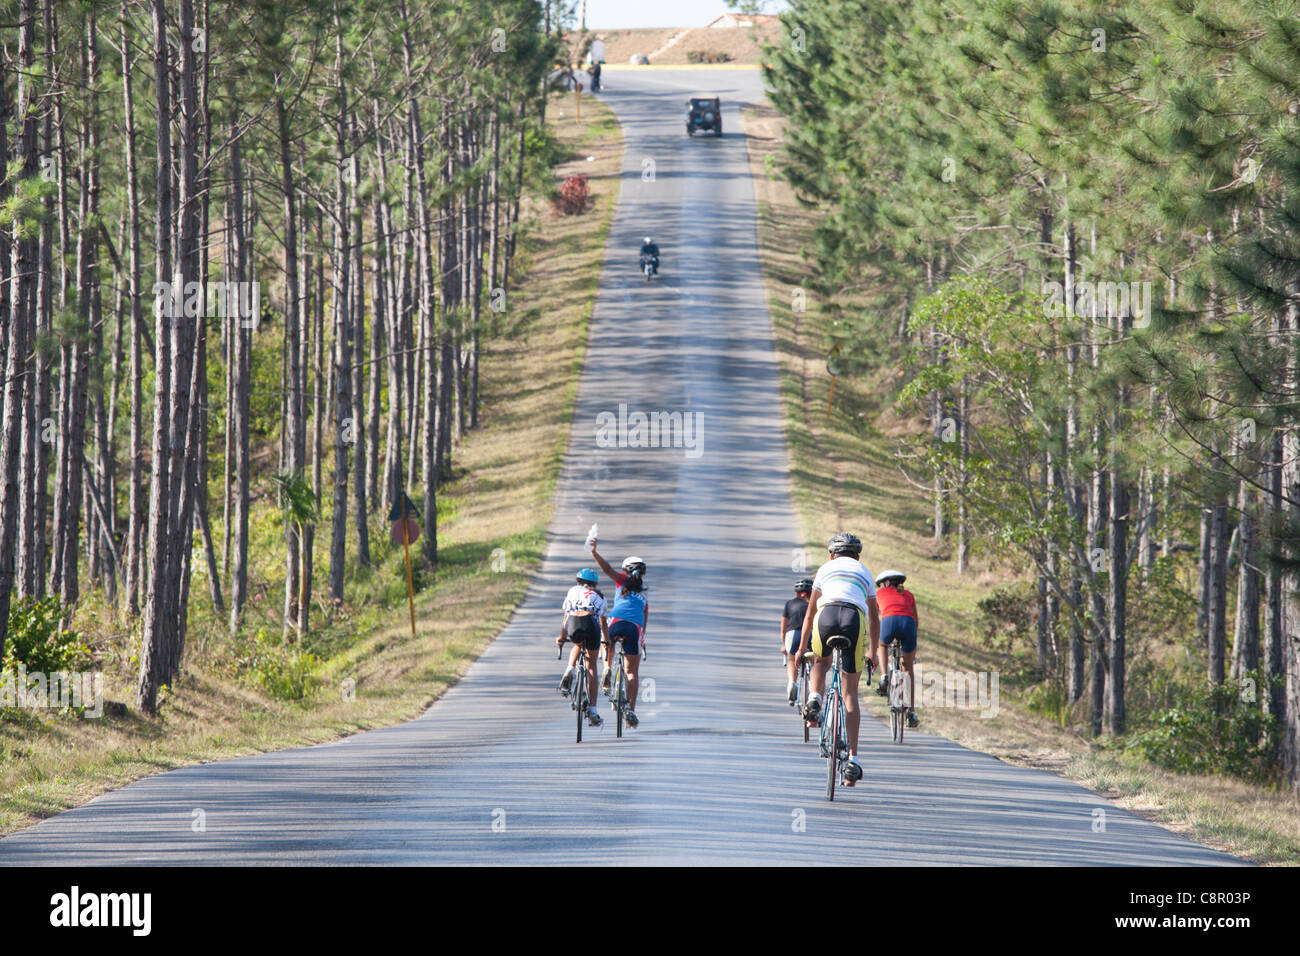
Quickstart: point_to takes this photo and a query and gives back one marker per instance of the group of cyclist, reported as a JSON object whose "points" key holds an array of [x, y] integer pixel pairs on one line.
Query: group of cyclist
{"points": [[590, 621], [844, 599], [841, 599]]}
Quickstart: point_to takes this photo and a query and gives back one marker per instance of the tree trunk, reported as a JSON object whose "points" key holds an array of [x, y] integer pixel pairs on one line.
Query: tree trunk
{"points": [[295, 440], [1117, 580], [1274, 637], [360, 492], [187, 388], [21, 321], [151, 678], [1099, 559], [1204, 559], [241, 344], [317, 418], [1217, 592], [1290, 584], [344, 429], [1245, 636]]}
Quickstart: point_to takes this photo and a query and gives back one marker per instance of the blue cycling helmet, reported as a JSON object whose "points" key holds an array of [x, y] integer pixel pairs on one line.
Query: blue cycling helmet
{"points": [[587, 576]]}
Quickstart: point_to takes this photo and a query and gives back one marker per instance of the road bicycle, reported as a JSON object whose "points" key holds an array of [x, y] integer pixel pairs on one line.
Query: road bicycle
{"points": [[897, 691], [578, 698], [801, 688], [617, 692], [834, 745]]}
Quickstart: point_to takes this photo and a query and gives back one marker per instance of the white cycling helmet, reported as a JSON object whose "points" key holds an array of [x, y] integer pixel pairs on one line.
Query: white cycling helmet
{"points": [[633, 563], [884, 576], [648, 240]]}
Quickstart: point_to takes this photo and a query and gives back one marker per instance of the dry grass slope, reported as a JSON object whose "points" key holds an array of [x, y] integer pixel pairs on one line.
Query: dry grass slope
{"points": [[743, 44]]}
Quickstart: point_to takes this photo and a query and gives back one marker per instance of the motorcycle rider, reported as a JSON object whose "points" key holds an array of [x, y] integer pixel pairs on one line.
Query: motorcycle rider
{"points": [[650, 248]]}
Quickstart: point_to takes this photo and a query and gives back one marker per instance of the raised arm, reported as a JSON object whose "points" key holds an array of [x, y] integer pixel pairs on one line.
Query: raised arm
{"points": [[604, 565]]}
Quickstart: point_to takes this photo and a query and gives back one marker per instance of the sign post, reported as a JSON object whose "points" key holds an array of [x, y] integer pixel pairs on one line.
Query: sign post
{"points": [[408, 530]]}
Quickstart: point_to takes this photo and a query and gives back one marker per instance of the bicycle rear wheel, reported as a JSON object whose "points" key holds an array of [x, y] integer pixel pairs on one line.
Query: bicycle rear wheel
{"points": [[803, 696], [580, 698], [897, 711], [620, 698], [833, 761]]}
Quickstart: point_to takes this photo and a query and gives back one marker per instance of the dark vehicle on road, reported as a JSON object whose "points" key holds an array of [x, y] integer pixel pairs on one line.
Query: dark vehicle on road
{"points": [[703, 113]]}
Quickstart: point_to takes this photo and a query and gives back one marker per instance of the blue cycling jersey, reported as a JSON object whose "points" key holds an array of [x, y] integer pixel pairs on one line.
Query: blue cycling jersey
{"points": [[630, 606]]}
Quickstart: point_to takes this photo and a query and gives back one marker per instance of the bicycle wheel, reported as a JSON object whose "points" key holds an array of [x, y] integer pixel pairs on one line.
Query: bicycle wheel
{"points": [[580, 698], [620, 697], [897, 711], [833, 761], [803, 696]]}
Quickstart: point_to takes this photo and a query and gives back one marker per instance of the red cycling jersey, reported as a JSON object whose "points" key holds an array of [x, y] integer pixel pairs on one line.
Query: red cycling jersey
{"points": [[895, 602]]}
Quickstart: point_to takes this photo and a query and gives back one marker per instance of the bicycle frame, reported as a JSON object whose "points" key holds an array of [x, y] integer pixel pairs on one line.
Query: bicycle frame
{"points": [[579, 699], [803, 675], [897, 687], [618, 683], [837, 752]]}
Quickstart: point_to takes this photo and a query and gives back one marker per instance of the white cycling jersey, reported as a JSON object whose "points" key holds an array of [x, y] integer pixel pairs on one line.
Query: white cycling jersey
{"points": [[582, 598], [845, 579]]}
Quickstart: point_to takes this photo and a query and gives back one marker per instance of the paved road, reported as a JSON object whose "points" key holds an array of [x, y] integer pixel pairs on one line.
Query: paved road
{"points": [[716, 773]]}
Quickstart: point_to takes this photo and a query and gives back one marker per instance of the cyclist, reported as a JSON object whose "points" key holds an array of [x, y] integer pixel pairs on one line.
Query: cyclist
{"points": [[628, 620], [897, 622], [650, 248], [843, 593], [584, 623], [791, 624]]}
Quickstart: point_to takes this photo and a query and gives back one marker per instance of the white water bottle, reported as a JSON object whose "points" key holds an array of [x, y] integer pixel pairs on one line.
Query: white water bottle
{"points": [[591, 536]]}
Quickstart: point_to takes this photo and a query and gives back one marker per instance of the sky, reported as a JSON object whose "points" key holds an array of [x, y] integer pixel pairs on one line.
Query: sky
{"points": [[626, 14]]}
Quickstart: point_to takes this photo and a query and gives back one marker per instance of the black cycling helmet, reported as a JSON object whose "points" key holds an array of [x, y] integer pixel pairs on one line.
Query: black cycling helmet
{"points": [[845, 543], [803, 586]]}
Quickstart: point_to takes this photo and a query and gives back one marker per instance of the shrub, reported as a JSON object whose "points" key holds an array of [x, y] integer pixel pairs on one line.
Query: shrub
{"points": [[574, 196], [707, 56], [1009, 617], [284, 671], [1046, 699], [34, 638], [1215, 732]]}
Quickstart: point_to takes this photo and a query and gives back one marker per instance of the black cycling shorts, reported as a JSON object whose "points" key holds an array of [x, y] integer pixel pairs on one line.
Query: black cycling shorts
{"points": [[583, 629], [841, 619]]}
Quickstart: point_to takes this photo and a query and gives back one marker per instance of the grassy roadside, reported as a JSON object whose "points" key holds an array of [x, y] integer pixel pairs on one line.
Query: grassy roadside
{"points": [[493, 517], [843, 476]]}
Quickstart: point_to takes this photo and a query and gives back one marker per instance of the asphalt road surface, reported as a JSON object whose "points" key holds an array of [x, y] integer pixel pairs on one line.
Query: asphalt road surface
{"points": [[717, 773]]}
